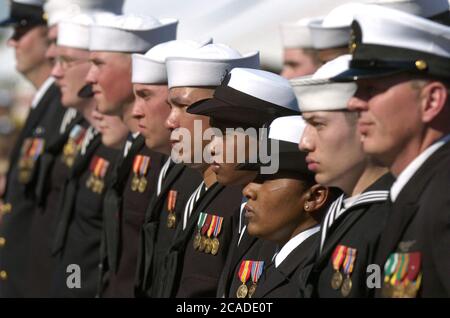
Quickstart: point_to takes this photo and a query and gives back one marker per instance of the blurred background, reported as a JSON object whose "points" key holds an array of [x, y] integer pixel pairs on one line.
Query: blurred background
{"points": [[246, 25]]}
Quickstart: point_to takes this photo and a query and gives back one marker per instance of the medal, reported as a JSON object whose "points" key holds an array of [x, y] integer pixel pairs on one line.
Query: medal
{"points": [[142, 184], [348, 269], [208, 245], [98, 168], [205, 228], [197, 239], [337, 260], [30, 152], [134, 183], [242, 291], [171, 202], [140, 168], [73, 145], [243, 275], [198, 236], [412, 281], [215, 244], [389, 268], [257, 269], [346, 287], [212, 227], [400, 273]]}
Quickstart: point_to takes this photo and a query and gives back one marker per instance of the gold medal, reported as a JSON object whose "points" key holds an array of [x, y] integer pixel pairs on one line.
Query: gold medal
{"points": [[252, 290], [142, 185], [90, 181], [197, 239], [215, 246], [134, 183], [202, 245], [24, 176], [171, 220], [101, 185], [336, 280], [346, 286], [208, 245], [242, 291]]}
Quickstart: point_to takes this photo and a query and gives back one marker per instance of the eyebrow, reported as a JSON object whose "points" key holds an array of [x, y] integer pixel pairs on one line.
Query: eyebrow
{"points": [[178, 101]]}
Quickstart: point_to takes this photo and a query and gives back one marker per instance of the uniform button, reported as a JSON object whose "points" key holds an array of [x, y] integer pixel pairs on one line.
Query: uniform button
{"points": [[2, 241], [3, 275]]}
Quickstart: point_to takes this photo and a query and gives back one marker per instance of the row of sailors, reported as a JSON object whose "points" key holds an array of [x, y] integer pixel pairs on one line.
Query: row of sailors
{"points": [[92, 182]]}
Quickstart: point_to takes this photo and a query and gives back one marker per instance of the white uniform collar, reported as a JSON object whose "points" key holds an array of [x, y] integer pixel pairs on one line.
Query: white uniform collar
{"points": [[41, 91], [293, 243], [415, 165]]}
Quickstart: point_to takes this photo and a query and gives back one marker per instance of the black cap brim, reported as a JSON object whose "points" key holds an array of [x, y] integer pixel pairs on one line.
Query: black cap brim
{"points": [[354, 74], [9, 22], [221, 110]]}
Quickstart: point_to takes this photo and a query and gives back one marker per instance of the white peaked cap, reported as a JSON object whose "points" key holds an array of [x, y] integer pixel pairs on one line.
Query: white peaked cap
{"points": [[297, 34], [317, 93], [130, 33], [59, 10], [396, 29], [266, 86], [207, 65], [334, 30], [288, 128], [150, 68], [422, 8]]}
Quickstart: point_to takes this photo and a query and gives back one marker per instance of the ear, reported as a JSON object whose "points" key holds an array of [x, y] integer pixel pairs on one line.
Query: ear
{"points": [[315, 198], [434, 96]]}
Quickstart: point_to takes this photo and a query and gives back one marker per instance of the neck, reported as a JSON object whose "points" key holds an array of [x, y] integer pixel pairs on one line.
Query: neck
{"points": [[371, 173], [87, 110], [303, 226], [209, 177], [127, 118], [39, 75], [413, 149]]}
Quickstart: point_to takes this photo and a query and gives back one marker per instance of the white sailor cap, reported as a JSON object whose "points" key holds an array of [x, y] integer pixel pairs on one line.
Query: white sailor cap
{"points": [[150, 68], [74, 32], [207, 65], [297, 34], [130, 33], [249, 96], [318, 93], [334, 30], [387, 41], [59, 10]]}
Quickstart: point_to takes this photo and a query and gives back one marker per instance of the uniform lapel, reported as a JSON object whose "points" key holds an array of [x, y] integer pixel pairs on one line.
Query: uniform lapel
{"points": [[284, 272], [406, 205]]}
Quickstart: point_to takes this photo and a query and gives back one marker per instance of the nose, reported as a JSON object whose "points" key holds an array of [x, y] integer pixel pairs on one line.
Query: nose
{"points": [[249, 191], [91, 77], [137, 111], [172, 121], [306, 141], [57, 70], [12, 42]]}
